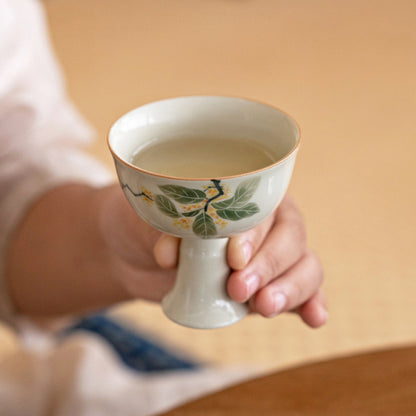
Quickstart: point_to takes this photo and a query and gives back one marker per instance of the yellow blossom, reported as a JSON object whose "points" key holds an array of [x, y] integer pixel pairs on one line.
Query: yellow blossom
{"points": [[147, 196], [183, 223]]}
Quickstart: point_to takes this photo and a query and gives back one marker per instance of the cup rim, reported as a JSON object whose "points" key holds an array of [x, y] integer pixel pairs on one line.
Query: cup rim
{"points": [[203, 179]]}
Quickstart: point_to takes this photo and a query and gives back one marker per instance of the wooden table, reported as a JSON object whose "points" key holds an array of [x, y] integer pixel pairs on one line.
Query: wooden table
{"points": [[378, 383]]}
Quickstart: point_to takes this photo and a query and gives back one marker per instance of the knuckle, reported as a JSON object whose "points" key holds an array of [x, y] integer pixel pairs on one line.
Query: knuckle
{"points": [[303, 285], [272, 266], [299, 231], [257, 235], [296, 291], [263, 302], [316, 266], [288, 204]]}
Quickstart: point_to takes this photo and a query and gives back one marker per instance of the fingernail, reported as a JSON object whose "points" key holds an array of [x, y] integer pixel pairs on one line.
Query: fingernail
{"points": [[252, 284], [247, 251], [279, 303]]}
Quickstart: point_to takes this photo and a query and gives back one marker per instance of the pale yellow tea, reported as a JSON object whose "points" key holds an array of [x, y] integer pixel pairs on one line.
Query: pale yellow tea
{"points": [[202, 157]]}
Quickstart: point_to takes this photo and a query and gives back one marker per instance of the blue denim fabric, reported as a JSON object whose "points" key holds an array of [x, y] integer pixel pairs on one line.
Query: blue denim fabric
{"points": [[135, 350]]}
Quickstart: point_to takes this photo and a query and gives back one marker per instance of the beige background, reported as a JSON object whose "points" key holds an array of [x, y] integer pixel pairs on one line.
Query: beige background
{"points": [[346, 71]]}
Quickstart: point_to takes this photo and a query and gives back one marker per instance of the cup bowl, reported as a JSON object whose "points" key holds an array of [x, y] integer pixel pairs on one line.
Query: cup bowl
{"points": [[204, 212]]}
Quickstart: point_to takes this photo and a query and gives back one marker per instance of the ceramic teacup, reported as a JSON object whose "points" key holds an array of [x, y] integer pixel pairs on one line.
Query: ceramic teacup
{"points": [[204, 212]]}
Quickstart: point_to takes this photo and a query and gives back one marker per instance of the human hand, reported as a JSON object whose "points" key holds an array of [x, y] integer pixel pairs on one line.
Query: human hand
{"points": [[273, 269], [130, 242]]}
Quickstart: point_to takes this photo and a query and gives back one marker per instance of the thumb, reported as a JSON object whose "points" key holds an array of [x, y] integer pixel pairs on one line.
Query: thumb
{"points": [[166, 251]]}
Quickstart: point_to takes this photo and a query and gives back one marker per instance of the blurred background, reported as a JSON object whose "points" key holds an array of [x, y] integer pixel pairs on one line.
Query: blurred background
{"points": [[346, 72]]}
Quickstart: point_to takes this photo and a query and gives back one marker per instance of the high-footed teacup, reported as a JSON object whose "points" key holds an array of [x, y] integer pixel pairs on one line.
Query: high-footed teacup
{"points": [[204, 210]]}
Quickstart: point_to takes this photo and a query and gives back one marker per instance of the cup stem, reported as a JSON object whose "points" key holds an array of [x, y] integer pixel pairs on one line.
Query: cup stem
{"points": [[199, 297]]}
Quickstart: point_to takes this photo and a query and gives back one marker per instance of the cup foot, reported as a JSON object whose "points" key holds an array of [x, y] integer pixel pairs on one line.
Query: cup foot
{"points": [[221, 314]]}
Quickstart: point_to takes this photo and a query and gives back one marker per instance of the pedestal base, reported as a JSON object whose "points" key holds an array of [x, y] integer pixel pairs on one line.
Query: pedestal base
{"points": [[199, 298]]}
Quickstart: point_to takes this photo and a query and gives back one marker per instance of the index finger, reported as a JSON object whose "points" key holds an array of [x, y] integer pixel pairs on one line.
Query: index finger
{"points": [[242, 247], [283, 245]]}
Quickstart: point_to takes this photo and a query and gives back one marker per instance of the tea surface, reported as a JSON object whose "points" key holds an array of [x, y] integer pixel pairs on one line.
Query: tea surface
{"points": [[202, 158]]}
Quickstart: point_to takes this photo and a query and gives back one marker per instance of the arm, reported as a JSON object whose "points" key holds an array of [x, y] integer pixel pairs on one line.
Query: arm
{"points": [[57, 261], [80, 248]]}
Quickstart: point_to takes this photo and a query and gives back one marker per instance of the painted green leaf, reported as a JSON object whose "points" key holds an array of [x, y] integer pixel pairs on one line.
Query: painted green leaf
{"points": [[204, 225], [183, 195], [166, 206], [191, 213], [238, 213], [245, 191], [223, 204]]}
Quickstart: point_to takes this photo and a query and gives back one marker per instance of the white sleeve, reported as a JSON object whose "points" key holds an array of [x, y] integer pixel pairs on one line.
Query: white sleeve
{"points": [[41, 133]]}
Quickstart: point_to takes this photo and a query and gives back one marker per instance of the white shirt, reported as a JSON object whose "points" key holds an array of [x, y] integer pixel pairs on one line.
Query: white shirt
{"points": [[41, 133]]}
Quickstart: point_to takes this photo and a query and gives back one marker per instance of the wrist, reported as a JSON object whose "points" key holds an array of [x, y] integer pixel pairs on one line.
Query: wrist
{"points": [[104, 253], [57, 261]]}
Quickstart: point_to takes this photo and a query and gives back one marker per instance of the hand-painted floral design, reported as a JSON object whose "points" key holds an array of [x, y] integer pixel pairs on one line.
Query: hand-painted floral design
{"points": [[204, 210], [147, 195]]}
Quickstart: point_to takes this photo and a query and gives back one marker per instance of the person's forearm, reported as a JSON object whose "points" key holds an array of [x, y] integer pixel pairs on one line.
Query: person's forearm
{"points": [[57, 262]]}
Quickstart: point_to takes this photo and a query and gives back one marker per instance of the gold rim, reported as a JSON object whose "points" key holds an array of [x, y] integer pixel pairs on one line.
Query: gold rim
{"points": [[178, 178]]}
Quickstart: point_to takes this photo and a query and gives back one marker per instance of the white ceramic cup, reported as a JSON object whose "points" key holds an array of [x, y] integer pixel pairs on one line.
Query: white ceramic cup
{"points": [[199, 298]]}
